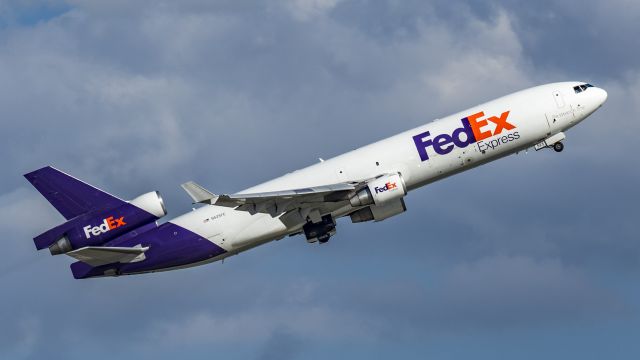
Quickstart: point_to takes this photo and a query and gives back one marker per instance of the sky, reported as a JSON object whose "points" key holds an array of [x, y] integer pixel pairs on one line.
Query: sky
{"points": [[533, 256]]}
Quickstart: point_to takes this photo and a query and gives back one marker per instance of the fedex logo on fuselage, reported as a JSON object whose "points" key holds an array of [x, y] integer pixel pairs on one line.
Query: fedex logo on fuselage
{"points": [[108, 224], [474, 129], [388, 186]]}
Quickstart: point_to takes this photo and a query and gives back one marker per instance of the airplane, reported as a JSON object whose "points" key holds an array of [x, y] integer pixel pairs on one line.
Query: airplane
{"points": [[111, 237]]}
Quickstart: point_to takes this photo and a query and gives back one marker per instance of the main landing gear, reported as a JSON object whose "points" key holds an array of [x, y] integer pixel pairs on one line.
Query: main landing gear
{"points": [[558, 147], [321, 231]]}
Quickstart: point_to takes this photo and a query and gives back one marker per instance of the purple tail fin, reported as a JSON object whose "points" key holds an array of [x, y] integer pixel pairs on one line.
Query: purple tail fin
{"points": [[70, 196]]}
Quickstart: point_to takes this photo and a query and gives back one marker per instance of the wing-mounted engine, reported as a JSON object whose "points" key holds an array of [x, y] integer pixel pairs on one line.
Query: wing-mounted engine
{"points": [[379, 212], [383, 198], [375, 199], [380, 190]]}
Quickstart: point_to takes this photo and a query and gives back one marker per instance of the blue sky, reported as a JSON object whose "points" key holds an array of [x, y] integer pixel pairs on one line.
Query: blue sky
{"points": [[534, 256]]}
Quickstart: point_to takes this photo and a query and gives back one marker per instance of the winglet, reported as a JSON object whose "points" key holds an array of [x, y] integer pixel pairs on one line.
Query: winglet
{"points": [[199, 194]]}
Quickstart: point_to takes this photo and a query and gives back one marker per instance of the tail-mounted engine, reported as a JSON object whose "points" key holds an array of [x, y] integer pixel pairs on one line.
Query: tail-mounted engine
{"points": [[100, 226]]}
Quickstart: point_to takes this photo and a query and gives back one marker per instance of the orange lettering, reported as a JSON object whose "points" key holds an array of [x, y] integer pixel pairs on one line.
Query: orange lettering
{"points": [[501, 123], [477, 126], [111, 223], [120, 222]]}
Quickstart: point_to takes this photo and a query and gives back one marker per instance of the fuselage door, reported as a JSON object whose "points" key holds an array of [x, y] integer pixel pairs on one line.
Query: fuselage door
{"points": [[557, 96]]}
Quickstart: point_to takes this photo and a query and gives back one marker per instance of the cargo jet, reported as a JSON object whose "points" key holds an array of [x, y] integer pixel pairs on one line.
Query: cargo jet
{"points": [[110, 236]]}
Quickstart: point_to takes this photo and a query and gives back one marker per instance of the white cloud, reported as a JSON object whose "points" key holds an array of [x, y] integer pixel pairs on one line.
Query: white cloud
{"points": [[304, 10], [311, 322], [146, 96], [23, 211], [489, 61]]}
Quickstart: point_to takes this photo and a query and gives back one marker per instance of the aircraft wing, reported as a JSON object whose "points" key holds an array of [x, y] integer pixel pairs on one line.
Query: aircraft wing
{"points": [[275, 202], [101, 255]]}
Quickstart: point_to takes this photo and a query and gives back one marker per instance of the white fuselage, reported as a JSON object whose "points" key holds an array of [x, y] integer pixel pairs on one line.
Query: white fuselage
{"points": [[532, 115]]}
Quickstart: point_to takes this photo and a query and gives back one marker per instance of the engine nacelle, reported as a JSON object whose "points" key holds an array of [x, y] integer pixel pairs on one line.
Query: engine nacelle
{"points": [[98, 227], [383, 189], [379, 212], [152, 203]]}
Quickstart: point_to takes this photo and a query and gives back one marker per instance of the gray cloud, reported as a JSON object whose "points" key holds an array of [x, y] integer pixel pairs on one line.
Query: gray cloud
{"points": [[139, 96]]}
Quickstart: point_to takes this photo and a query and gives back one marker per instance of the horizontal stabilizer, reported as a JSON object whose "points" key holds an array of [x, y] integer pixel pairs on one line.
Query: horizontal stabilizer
{"points": [[198, 193], [101, 255]]}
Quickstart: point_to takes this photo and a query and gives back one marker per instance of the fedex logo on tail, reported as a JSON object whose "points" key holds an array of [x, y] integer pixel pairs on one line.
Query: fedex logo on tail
{"points": [[388, 186], [474, 130], [108, 224]]}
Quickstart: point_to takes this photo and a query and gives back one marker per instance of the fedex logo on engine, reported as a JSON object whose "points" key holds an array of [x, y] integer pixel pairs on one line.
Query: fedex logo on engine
{"points": [[475, 129], [388, 186], [108, 224]]}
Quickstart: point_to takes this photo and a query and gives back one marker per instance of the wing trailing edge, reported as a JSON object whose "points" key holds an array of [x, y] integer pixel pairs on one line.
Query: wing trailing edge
{"points": [[273, 202]]}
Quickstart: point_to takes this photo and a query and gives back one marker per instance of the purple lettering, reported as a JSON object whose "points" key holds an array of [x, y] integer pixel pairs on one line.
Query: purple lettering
{"points": [[439, 143], [422, 145], [444, 143], [465, 129]]}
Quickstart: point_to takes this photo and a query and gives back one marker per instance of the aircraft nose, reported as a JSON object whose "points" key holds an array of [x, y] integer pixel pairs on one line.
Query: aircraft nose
{"points": [[601, 95]]}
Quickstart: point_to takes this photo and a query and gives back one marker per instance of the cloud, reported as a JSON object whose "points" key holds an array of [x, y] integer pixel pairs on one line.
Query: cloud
{"points": [[504, 291], [158, 96], [258, 325], [498, 51], [274, 316], [492, 294], [133, 97], [304, 10], [281, 345], [24, 340]]}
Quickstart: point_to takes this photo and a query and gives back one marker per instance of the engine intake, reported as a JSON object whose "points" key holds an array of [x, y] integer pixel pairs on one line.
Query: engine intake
{"points": [[151, 202], [380, 190]]}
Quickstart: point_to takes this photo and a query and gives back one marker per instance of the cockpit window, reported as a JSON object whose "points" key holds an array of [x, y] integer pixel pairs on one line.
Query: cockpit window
{"points": [[580, 88]]}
